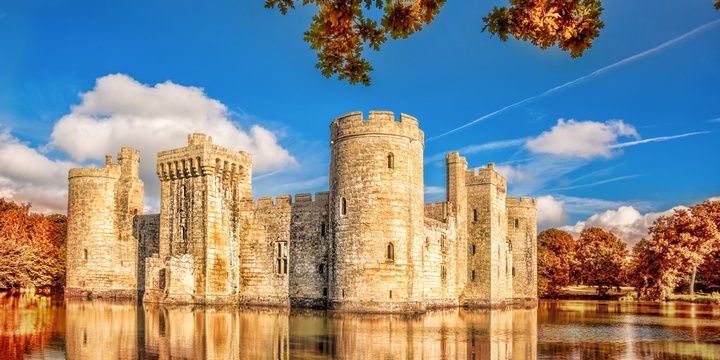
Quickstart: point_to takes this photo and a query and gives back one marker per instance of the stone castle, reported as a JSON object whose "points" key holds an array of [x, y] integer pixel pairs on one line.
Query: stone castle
{"points": [[368, 244]]}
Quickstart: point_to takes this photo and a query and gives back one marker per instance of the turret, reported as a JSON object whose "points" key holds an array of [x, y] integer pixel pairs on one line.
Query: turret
{"points": [[376, 214]]}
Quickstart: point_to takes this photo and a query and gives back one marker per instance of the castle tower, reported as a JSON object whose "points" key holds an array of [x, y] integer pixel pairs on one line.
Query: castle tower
{"points": [[522, 232], [201, 186], [455, 169], [102, 253], [376, 212], [489, 256]]}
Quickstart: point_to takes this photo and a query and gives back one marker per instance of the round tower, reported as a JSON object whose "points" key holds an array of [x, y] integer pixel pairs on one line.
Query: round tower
{"points": [[101, 257], [522, 233], [376, 212]]}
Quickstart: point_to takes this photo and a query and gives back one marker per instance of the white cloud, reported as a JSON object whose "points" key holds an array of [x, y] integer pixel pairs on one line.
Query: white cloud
{"points": [[550, 210], [511, 174], [26, 175], [626, 222], [121, 111], [582, 139], [434, 190]]}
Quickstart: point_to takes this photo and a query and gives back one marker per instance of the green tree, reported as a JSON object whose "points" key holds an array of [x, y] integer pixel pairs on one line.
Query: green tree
{"points": [[601, 258], [341, 29], [556, 261]]}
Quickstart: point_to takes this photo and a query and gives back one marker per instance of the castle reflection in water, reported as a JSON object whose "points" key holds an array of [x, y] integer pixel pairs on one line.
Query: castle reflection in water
{"points": [[95, 330]]}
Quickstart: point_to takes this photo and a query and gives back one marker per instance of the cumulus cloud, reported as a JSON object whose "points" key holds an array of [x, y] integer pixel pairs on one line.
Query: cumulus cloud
{"points": [[27, 175], [582, 139], [511, 174], [626, 222], [121, 111], [550, 210]]}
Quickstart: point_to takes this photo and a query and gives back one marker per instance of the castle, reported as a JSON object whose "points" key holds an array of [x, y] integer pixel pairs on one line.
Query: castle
{"points": [[368, 244]]}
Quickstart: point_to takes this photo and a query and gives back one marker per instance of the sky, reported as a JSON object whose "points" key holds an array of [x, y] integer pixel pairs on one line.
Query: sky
{"points": [[615, 138]]}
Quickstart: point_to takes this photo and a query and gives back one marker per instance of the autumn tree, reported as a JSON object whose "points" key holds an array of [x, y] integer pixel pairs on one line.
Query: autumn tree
{"points": [[342, 29], [31, 247], [678, 246], [601, 258], [556, 261]]}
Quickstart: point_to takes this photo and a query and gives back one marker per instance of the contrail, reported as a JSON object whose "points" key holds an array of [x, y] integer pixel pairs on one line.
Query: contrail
{"points": [[593, 74], [656, 139]]}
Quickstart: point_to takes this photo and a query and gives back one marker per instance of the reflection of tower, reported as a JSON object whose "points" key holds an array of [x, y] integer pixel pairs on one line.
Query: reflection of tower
{"points": [[102, 256], [522, 232], [489, 260], [376, 212], [524, 342], [101, 330], [201, 186]]}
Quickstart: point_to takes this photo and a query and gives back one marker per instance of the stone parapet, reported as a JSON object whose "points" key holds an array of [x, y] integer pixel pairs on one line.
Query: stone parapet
{"points": [[383, 123]]}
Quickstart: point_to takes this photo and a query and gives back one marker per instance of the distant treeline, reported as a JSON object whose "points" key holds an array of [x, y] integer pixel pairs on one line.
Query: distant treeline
{"points": [[32, 248], [680, 253]]}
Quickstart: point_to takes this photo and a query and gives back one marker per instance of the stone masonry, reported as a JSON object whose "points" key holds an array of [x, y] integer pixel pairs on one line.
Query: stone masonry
{"points": [[369, 244]]}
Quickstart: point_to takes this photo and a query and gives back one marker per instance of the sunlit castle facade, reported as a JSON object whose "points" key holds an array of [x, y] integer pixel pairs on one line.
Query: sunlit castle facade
{"points": [[370, 243]]}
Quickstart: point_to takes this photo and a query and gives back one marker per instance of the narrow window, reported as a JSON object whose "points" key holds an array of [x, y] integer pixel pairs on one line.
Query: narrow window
{"points": [[282, 258], [343, 207], [343, 293], [161, 279], [517, 223], [474, 214], [513, 271], [391, 161], [443, 273], [391, 294], [323, 229], [390, 251], [473, 275], [472, 249], [325, 292], [321, 269], [85, 254]]}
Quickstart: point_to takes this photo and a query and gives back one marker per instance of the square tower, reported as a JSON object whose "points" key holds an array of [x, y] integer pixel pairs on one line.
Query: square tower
{"points": [[489, 264], [201, 187]]}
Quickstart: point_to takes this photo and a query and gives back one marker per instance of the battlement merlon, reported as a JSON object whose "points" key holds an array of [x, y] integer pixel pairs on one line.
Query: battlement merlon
{"points": [[484, 176], [201, 157], [523, 201], [454, 158], [377, 123], [302, 199]]}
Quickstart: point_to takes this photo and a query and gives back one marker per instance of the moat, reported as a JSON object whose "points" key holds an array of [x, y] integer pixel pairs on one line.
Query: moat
{"points": [[46, 327]]}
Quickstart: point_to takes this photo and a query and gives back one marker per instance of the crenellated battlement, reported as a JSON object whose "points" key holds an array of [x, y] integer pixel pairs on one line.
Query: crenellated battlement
{"points": [[201, 157], [376, 123], [436, 210], [301, 199], [484, 175], [522, 201]]}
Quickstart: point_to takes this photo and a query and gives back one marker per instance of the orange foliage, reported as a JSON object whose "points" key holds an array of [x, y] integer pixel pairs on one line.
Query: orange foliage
{"points": [[601, 259], [556, 261], [31, 247]]}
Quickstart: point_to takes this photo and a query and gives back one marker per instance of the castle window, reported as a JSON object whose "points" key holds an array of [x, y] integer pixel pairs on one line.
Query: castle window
{"points": [[474, 214], [472, 249], [473, 275], [390, 252], [282, 258], [343, 207], [391, 294], [513, 271], [321, 269], [517, 223], [85, 254], [323, 229], [325, 292], [161, 279], [443, 273], [391, 161]]}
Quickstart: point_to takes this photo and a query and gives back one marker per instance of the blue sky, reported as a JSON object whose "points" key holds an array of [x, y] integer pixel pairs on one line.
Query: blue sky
{"points": [[253, 62]]}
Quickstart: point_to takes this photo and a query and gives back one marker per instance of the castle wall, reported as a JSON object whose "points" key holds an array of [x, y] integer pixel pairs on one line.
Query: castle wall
{"points": [[102, 253], [146, 229], [309, 246], [522, 230], [264, 250], [376, 190], [439, 264]]}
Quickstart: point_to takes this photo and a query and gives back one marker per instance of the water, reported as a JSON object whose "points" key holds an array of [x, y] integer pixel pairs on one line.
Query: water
{"points": [[43, 327]]}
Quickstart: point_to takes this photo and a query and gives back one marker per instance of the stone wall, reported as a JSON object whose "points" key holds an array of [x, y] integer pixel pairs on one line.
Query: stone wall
{"points": [[439, 264], [522, 232], [309, 246], [146, 229]]}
